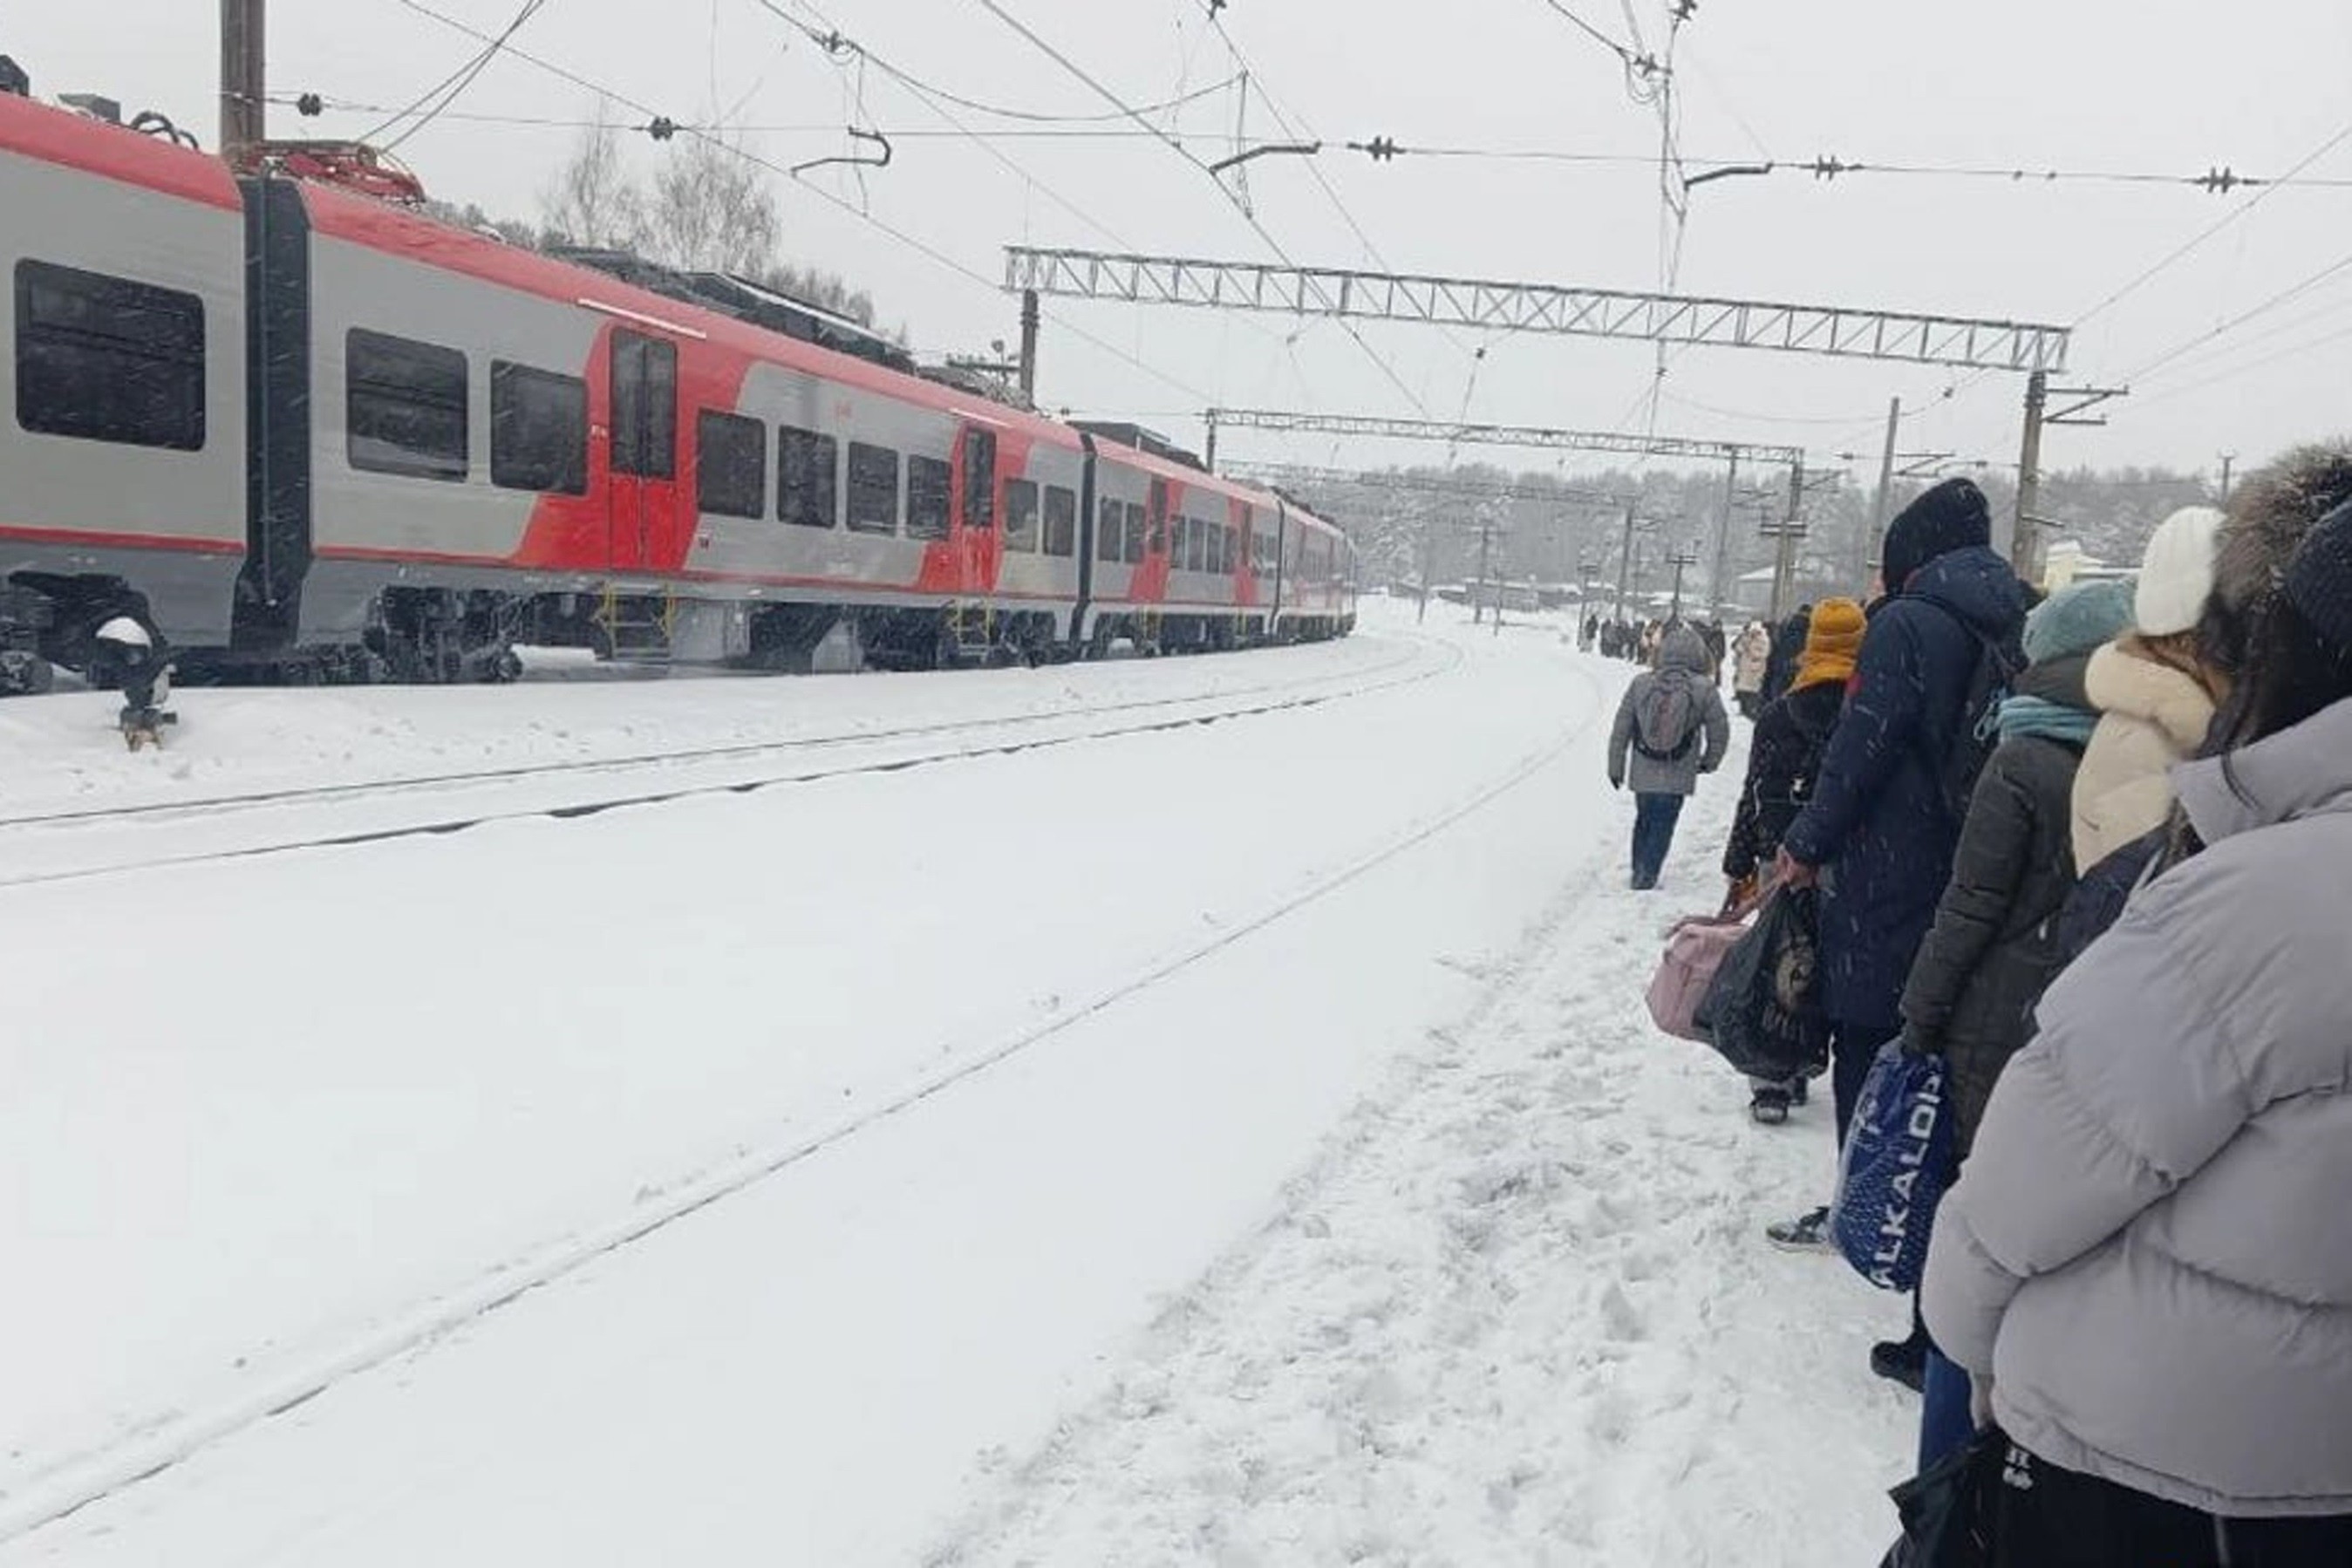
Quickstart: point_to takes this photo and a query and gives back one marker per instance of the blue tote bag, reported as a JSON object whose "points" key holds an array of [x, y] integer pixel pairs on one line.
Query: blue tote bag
{"points": [[1896, 1164]]}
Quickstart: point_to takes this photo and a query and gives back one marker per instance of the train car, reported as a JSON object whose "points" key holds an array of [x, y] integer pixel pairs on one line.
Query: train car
{"points": [[455, 445], [123, 457]]}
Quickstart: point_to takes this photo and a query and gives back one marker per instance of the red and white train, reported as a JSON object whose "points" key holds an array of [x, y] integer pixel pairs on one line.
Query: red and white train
{"points": [[322, 434]]}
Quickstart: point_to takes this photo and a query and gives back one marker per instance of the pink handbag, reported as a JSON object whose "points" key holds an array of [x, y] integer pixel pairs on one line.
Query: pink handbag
{"points": [[1694, 951]]}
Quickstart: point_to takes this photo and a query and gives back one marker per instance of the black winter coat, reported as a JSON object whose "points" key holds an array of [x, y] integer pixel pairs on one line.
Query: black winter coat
{"points": [[1782, 762], [1994, 947], [1878, 823], [1787, 650]]}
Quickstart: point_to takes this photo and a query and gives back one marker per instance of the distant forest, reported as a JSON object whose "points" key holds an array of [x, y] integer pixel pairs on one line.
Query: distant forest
{"points": [[1564, 524]]}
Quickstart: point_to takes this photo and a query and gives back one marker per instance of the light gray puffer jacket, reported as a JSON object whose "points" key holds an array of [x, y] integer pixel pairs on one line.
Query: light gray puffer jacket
{"points": [[2150, 1249], [1682, 658]]}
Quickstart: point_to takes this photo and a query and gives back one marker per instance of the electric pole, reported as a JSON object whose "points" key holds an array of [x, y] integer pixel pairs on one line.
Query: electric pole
{"points": [[1029, 317], [1723, 541], [1478, 601], [1878, 516], [2025, 543], [243, 83], [2229, 462], [1679, 561], [1784, 564], [1625, 562]]}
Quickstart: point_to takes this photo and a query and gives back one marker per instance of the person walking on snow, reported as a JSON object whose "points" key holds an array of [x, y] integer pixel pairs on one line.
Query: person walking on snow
{"points": [[2147, 1266], [1992, 951], [1671, 728], [1752, 657], [1782, 762], [1878, 833]]}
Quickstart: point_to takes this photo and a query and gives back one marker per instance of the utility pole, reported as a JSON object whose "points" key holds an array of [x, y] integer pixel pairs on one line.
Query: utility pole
{"points": [[1029, 320], [2026, 544], [2019, 546], [1209, 456], [1785, 563], [1426, 564], [2229, 462], [1723, 541], [243, 83], [1625, 562], [1479, 600], [1679, 560], [1879, 512]]}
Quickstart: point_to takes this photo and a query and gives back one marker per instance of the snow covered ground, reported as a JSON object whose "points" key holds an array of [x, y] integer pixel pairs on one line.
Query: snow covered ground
{"points": [[1231, 1141]]}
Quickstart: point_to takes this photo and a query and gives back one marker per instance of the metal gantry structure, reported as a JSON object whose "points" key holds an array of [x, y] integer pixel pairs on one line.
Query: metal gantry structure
{"points": [[1695, 449], [1962, 342], [1457, 433], [1295, 476]]}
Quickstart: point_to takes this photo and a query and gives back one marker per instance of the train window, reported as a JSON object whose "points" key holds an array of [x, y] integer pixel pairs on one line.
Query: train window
{"points": [[730, 465], [539, 430], [1134, 532], [1061, 520], [873, 489], [1232, 559], [1212, 553], [1021, 515], [927, 498], [404, 406], [805, 462], [1109, 537], [1196, 545], [980, 479], [106, 359]]}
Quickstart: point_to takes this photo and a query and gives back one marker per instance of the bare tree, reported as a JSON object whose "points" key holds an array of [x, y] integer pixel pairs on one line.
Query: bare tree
{"points": [[592, 201], [711, 209]]}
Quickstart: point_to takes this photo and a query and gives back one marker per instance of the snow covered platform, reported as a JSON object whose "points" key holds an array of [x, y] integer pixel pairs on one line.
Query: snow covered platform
{"points": [[1197, 1112]]}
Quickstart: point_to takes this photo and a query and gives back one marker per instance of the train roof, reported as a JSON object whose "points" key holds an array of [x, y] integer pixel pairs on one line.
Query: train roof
{"points": [[76, 140]]}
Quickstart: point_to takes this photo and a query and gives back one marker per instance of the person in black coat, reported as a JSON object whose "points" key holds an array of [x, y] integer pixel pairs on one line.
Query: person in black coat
{"points": [[1788, 649], [1877, 833], [1783, 760], [1790, 736]]}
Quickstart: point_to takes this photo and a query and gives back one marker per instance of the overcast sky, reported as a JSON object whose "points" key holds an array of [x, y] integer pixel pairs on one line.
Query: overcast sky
{"points": [[2159, 86]]}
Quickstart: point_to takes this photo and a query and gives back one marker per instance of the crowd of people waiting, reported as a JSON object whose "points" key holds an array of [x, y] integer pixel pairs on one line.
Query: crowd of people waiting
{"points": [[2111, 900]]}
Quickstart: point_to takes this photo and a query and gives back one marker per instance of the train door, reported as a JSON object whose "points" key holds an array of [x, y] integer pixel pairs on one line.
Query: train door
{"points": [[644, 491]]}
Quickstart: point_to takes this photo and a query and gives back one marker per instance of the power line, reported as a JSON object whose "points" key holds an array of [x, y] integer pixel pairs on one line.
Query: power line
{"points": [[453, 86], [2332, 268], [1045, 48], [2199, 239], [1252, 79], [880, 226]]}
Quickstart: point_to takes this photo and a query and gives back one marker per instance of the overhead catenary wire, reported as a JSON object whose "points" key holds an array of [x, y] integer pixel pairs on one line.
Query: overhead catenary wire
{"points": [[1253, 81], [449, 88], [841, 47], [1046, 47], [880, 226]]}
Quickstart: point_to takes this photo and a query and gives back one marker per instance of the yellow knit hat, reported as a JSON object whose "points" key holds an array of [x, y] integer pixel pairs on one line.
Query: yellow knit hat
{"points": [[1832, 643]]}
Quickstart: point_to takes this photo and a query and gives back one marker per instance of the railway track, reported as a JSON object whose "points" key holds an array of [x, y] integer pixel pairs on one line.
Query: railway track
{"points": [[172, 1440], [83, 843]]}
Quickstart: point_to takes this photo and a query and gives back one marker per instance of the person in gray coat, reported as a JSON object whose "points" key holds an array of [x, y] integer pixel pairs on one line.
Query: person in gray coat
{"points": [[2146, 1264], [1671, 728]]}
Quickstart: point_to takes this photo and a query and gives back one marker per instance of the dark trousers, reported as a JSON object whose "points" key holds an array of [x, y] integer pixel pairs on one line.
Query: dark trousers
{"points": [[1946, 1423], [1654, 817], [1853, 1047], [2051, 1518]]}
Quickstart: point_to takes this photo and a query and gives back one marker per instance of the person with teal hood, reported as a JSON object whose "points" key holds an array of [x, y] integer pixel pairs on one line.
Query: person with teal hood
{"points": [[1994, 950]]}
